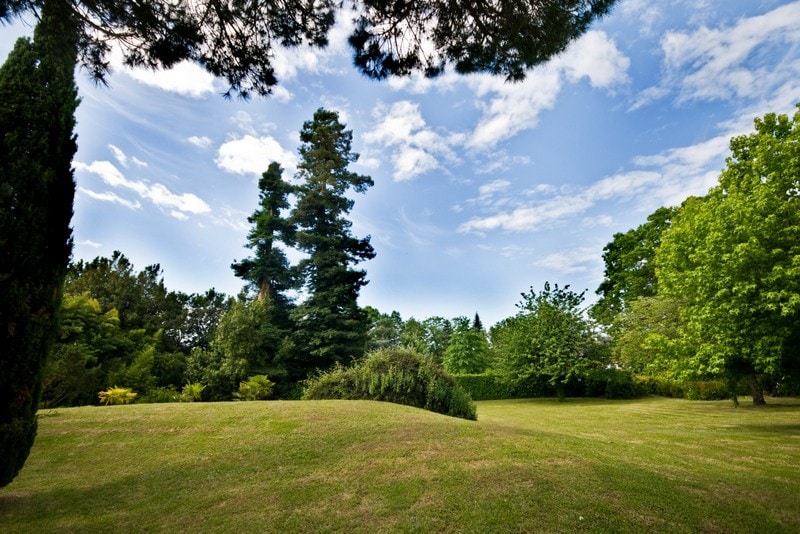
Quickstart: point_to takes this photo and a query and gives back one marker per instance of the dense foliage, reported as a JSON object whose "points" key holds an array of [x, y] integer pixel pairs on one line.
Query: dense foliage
{"points": [[37, 118], [396, 375], [710, 291], [732, 257], [238, 40], [550, 337]]}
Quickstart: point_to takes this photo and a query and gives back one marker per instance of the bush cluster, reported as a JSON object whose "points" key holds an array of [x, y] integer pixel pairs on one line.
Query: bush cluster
{"points": [[397, 375], [688, 389], [607, 383]]}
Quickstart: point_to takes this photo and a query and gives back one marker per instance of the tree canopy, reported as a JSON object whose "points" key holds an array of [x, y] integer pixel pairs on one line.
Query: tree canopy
{"points": [[237, 40], [548, 338], [732, 257]]}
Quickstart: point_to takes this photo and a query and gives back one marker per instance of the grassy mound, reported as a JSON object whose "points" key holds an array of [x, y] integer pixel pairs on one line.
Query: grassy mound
{"points": [[652, 465]]}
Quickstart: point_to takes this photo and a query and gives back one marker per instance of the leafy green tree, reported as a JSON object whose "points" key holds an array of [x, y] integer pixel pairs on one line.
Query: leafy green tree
{"points": [[648, 335], [732, 258], [247, 342], [548, 339], [629, 267], [141, 298], [385, 329], [437, 334], [236, 40], [329, 325], [37, 118], [268, 273], [468, 349], [203, 313], [89, 345]]}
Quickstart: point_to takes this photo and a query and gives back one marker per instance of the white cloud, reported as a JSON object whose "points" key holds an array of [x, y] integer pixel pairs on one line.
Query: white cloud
{"points": [[139, 163], [416, 148], [597, 58], [119, 155], [576, 260], [158, 194], [185, 78], [666, 179], [200, 141], [514, 107], [89, 243], [252, 155], [495, 186]]}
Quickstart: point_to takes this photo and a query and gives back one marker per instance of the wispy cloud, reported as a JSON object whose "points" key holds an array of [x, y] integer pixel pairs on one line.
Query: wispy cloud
{"points": [[109, 196], [158, 194], [187, 79], [574, 260], [725, 63], [514, 107]]}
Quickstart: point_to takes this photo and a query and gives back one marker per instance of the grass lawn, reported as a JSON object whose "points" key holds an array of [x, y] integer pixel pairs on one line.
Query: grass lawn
{"points": [[652, 465]]}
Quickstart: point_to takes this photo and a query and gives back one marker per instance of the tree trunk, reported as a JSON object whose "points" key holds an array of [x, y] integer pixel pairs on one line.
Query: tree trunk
{"points": [[758, 393]]}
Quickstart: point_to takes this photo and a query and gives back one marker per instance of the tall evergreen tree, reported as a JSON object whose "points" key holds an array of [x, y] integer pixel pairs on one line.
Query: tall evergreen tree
{"points": [[37, 117], [330, 325], [268, 273]]}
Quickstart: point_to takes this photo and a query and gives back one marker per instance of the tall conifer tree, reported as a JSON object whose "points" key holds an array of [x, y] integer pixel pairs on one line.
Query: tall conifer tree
{"points": [[330, 325], [37, 117], [268, 273]]}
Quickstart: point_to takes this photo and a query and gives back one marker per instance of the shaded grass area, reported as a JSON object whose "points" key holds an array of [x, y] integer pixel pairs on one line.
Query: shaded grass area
{"points": [[657, 465]]}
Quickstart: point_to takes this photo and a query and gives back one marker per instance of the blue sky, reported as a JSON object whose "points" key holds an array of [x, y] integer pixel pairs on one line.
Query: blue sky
{"points": [[483, 189]]}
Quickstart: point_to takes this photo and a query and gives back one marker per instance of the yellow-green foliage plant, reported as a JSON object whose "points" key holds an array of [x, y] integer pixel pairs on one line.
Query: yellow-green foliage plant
{"points": [[257, 387], [117, 395], [192, 392]]}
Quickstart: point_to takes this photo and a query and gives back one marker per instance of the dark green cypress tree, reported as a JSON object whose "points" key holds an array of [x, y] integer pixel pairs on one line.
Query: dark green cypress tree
{"points": [[38, 99], [330, 326]]}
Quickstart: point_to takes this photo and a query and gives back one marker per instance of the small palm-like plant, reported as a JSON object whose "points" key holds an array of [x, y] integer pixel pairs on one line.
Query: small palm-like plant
{"points": [[117, 395], [192, 392], [257, 387]]}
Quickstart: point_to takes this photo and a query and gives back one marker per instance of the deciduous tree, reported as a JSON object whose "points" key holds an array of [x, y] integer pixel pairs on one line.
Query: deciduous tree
{"points": [[732, 257], [548, 338], [629, 267]]}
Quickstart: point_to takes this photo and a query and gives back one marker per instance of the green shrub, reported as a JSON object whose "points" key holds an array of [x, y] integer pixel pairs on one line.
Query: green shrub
{"points": [[484, 386], [117, 395], [397, 375], [257, 387], [612, 383], [158, 395], [688, 389], [192, 392], [706, 390]]}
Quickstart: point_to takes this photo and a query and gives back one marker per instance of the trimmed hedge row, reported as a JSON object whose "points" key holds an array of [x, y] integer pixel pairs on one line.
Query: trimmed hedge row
{"points": [[606, 383]]}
